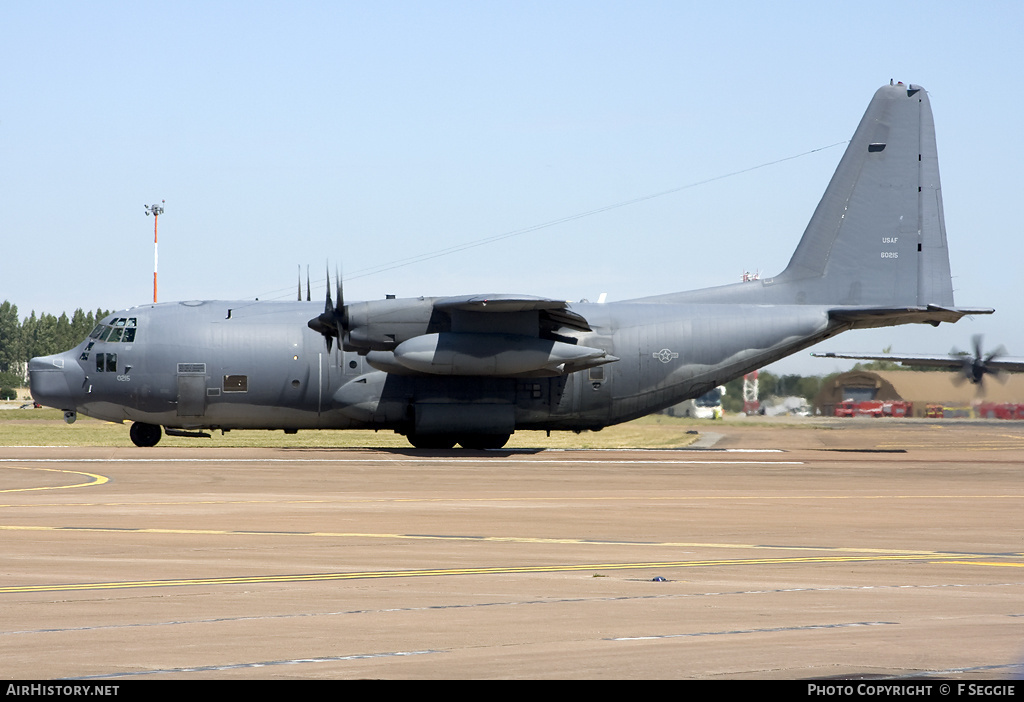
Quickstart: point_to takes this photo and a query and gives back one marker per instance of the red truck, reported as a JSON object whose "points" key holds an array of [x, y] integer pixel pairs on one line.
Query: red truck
{"points": [[1006, 410], [874, 408]]}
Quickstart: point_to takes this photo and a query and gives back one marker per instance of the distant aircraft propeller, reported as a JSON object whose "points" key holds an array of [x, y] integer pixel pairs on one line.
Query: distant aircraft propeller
{"points": [[975, 368], [332, 323]]}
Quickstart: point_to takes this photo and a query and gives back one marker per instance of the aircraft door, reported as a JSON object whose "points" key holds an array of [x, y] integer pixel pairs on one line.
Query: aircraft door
{"points": [[191, 392], [592, 386]]}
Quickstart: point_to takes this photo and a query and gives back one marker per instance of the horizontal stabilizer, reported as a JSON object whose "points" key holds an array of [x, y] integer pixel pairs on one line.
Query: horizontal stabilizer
{"points": [[871, 317]]}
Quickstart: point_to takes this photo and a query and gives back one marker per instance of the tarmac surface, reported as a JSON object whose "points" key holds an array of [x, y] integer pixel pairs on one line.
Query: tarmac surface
{"points": [[866, 549]]}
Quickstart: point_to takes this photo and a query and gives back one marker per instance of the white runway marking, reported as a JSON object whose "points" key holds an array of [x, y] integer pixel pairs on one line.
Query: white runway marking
{"points": [[260, 664]]}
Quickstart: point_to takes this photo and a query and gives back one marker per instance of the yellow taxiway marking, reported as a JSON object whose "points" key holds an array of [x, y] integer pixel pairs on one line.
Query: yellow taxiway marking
{"points": [[988, 563], [95, 480], [982, 442], [959, 447], [868, 553], [439, 572]]}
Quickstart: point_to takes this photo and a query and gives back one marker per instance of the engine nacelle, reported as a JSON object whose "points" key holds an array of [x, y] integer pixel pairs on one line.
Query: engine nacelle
{"points": [[381, 325]]}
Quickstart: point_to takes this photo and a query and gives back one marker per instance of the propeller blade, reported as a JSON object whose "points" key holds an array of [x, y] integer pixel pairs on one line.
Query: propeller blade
{"points": [[330, 305], [976, 367], [341, 297], [1001, 351], [333, 321]]}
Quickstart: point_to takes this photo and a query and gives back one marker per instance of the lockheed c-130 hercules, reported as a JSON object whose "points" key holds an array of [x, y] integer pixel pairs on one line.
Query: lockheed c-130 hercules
{"points": [[474, 369]]}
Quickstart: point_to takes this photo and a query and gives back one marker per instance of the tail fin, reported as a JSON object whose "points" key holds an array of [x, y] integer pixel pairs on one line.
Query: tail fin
{"points": [[878, 236]]}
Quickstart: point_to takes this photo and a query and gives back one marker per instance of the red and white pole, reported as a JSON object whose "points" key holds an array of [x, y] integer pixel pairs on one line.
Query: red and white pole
{"points": [[156, 257], [156, 211]]}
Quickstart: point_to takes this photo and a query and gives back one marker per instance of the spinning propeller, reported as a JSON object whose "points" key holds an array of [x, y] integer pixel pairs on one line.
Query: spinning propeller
{"points": [[975, 368], [332, 323]]}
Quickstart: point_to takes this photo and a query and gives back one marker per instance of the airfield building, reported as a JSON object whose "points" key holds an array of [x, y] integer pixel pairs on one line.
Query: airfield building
{"points": [[922, 389]]}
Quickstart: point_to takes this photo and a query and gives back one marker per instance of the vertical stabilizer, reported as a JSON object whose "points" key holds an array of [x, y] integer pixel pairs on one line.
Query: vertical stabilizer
{"points": [[878, 236]]}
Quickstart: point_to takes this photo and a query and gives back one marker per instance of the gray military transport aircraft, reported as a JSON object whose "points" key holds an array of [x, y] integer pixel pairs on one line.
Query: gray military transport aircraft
{"points": [[472, 370]]}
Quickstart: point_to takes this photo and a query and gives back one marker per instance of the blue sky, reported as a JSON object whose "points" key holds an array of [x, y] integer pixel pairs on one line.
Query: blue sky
{"points": [[361, 134]]}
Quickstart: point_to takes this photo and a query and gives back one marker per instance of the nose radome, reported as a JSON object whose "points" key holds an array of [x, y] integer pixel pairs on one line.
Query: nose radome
{"points": [[55, 380]]}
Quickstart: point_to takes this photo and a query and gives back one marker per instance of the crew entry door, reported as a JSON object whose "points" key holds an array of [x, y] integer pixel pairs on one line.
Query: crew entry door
{"points": [[191, 389]]}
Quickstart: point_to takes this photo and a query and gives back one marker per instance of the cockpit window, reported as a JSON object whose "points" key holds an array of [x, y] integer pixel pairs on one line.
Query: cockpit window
{"points": [[121, 329]]}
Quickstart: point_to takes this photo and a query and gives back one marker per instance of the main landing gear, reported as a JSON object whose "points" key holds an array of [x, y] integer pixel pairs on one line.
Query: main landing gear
{"points": [[446, 441], [143, 434]]}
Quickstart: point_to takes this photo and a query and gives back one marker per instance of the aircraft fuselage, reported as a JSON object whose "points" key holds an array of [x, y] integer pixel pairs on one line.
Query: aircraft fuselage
{"points": [[256, 365]]}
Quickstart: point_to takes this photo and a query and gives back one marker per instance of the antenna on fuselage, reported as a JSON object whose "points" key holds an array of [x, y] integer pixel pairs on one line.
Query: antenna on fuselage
{"points": [[156, 211], [309, 297]]}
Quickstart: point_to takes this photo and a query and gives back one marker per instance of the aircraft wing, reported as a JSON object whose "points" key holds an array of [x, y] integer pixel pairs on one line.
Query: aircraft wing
{"points": [[473, 335], [556, 312], [1010, 364]]}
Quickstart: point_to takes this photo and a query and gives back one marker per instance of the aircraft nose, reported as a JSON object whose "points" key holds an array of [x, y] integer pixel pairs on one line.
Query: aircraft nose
{"points": [[55, 380]]}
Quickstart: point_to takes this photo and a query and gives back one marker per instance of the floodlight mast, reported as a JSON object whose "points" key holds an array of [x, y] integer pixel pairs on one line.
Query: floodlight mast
{"points": [[156, 211]]}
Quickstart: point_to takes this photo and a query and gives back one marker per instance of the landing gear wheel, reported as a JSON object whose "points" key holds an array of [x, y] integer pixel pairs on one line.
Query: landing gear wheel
{"points": [[431, 441], [143, 434], [480, 442]]}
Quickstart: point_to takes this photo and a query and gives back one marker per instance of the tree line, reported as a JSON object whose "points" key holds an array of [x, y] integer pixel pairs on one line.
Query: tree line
{"points": [[22, 339]]}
